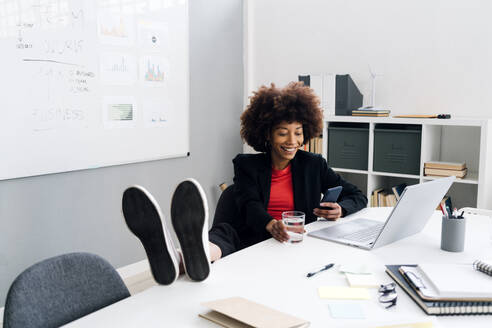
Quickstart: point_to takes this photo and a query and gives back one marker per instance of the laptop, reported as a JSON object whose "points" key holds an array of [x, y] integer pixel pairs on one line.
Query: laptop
{"points": [[416, 205]]}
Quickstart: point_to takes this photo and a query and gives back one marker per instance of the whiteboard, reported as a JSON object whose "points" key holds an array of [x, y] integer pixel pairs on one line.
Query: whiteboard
{"points": [[86, 84]]}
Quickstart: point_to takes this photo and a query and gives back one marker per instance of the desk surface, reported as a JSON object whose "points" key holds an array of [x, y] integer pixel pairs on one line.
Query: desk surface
{"points": [[273, 274]]}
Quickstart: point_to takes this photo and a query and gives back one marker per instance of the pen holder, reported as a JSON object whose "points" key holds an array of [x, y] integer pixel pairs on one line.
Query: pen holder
{"points": [[453, 234]]}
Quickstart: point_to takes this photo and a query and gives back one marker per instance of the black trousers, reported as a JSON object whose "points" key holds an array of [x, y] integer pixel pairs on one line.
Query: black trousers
{"points": [[229, 230], [225, 237]]}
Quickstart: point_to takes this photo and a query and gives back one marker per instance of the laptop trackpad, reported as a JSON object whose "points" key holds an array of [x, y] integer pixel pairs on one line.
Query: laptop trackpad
{"points": [[350, 227]]}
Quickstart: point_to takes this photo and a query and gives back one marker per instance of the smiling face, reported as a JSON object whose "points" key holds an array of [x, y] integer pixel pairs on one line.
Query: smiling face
{"points": [[285, 139]]}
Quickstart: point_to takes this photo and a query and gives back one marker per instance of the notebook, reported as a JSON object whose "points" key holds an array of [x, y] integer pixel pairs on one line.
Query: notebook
{"points": [[463, 289], [437, 307], [457, 280], [483, 267], [238, 312]]}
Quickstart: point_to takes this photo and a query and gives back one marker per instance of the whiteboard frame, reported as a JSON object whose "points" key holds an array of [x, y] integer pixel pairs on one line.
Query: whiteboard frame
{"points": [[185, 153]]}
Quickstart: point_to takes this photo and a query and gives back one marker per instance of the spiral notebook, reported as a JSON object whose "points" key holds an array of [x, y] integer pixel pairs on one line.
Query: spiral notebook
{"points": [[482, 266], [456, 307], [448, 282]]}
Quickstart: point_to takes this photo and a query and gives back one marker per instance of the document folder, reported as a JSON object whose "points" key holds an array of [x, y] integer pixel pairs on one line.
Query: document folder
{"points": [[238, 312]]}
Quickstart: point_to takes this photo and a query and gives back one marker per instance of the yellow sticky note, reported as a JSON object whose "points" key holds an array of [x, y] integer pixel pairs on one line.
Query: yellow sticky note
{"points": [[343, 293]]}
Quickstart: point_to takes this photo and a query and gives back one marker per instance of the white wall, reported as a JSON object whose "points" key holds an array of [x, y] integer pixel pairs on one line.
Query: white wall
{"points": [[436, 56]]}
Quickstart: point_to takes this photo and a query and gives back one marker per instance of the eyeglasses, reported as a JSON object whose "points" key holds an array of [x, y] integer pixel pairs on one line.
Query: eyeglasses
{"points": [[388, 295]]}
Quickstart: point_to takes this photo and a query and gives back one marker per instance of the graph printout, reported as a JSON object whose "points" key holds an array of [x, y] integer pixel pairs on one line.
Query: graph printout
{"points": [[116, 28], [118, 68], [154, 70]]}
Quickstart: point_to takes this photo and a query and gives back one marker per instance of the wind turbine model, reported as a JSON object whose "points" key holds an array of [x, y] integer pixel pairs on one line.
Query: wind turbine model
{"points": [[373, 99]]}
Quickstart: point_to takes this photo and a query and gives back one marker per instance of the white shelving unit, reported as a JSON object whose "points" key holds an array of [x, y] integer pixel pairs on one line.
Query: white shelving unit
{"points": [[451, 140]]}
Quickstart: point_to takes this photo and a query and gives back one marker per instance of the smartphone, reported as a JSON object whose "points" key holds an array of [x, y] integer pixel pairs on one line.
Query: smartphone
{"points": [[330, 196]]}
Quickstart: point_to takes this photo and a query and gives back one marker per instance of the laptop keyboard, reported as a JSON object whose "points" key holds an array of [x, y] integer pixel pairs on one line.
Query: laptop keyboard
{"points": [[364, 235]]}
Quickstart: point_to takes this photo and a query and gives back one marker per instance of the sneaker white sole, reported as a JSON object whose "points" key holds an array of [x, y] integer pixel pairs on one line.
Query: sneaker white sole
{"points": [[189, 217], [144, 218]]}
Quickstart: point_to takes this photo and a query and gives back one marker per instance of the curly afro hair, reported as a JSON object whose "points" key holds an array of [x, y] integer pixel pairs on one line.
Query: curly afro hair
{"points": [[270, 106]]}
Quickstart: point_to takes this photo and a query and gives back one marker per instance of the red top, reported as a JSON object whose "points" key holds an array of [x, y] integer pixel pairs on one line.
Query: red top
{"points": [[281, 193]]}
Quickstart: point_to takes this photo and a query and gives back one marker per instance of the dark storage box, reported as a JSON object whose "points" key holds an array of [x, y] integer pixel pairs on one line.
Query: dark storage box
{"points": [[397, 148], [348, 145]]}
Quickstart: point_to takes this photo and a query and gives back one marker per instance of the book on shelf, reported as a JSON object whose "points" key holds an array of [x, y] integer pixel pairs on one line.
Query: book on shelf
{"points": [[312, 146], [363, 110], [445, 165], [315, 145], [371, 115], [319, 142], [383, 198], [391, 200], [398, 190], [369, 111], [436, 306], [374, 197], [445, 173]]}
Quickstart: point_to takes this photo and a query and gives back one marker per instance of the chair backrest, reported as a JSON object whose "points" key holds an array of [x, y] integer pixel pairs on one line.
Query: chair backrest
{"points": [[226, 210], [61, 289]]}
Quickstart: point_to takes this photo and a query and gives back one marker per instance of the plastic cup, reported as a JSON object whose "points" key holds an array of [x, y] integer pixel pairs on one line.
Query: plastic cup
{"points": [[294, 223]]}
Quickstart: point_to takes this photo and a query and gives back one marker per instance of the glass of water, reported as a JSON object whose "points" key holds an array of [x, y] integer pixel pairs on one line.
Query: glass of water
{"points": [[294, 222]]}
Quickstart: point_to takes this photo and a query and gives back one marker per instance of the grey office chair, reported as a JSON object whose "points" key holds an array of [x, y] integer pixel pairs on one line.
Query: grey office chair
{"points": [[61, 289]]}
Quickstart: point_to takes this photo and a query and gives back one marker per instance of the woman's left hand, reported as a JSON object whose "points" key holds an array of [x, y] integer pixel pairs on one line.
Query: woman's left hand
{"points": [[334, 213]]}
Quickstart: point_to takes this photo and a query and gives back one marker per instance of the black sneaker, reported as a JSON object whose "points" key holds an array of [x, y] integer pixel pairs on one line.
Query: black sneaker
{"points": [[189, 216], [143, 217]]}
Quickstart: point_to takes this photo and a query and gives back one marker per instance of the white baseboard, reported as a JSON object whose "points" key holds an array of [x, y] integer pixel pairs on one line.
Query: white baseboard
{"points": [[137, 276]]}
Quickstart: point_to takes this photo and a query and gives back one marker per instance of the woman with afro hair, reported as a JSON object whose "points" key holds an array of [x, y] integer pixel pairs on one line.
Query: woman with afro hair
{"points": [[281, 177]]}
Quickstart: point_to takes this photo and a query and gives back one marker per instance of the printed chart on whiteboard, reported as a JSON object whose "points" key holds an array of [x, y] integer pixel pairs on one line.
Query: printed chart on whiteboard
{"points": [[92, 83]]}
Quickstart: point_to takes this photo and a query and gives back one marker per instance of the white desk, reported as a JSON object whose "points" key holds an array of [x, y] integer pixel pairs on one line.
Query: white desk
{"points": [[273, 274]]}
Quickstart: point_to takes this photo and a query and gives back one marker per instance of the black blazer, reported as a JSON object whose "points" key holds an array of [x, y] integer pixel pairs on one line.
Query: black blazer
{"points": [[311, 176]]}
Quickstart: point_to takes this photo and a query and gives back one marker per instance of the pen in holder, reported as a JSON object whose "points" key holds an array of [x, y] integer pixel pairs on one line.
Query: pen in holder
{"points": [[453, 233]]}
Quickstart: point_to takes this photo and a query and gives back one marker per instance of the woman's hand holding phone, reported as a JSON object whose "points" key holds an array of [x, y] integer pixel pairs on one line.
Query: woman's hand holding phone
{"points": [[330, 211], [329, 208]]}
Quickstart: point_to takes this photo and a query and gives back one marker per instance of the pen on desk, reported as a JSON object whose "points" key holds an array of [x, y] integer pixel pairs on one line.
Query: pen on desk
{"points": [[326, 267]]}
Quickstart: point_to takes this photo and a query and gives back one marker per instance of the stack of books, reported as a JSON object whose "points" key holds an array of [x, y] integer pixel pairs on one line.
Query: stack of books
{"points": [[315, 145], [382, 198], [371, 112], [445, 169], [445, 289]]}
